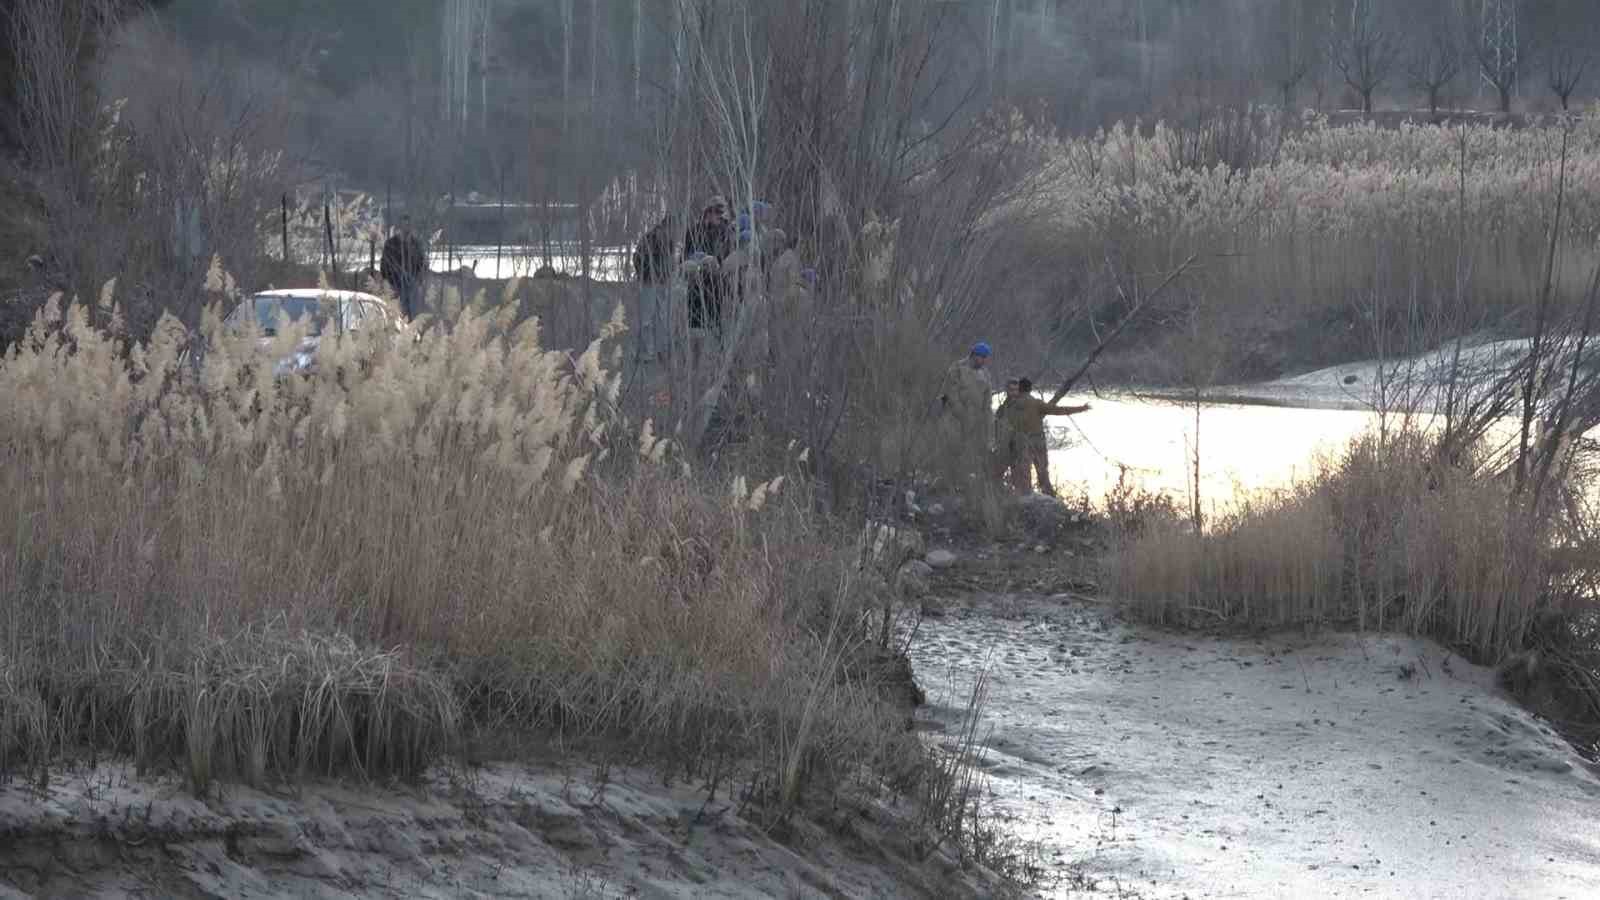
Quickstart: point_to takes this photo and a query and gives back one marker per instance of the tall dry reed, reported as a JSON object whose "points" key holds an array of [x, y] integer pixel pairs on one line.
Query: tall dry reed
{"points": [[353, 569], [1342, 239], [1379, 538]]}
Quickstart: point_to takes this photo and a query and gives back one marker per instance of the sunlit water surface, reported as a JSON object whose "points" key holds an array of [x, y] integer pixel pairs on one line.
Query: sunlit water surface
{"points": [[1244, 450]]}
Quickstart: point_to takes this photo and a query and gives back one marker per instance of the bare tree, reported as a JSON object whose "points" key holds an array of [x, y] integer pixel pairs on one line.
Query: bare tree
{"points": [[1287, 49], [1367, 55], [1434, 64], [1567, 66]]}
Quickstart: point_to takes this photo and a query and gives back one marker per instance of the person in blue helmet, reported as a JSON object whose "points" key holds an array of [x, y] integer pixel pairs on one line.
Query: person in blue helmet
{"points": [[966, 402], [968, 390]]}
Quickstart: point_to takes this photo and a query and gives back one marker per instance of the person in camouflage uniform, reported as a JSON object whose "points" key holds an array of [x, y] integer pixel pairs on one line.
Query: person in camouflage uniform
{"points": [[965, 403], [1020, 438]]}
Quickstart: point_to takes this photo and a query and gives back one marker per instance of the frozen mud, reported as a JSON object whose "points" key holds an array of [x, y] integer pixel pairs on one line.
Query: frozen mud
{"points": [[501, 831], [1169, 765]]}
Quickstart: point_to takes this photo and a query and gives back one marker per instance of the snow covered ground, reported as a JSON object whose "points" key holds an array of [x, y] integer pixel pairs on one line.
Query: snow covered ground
{"points": [[1302, 766]]}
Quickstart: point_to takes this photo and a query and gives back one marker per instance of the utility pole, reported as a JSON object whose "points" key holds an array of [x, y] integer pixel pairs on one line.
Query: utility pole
{"points": [[1499, 18]]}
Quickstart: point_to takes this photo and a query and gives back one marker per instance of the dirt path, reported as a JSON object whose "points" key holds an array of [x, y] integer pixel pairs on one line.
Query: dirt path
{"points": [[1309, 766]]}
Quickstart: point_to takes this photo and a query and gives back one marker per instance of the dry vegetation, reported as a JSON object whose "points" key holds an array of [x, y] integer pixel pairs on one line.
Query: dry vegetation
{"points": [[426, 552], [363, 569], [1316, 243], [425, 546], [1383, 537], [1465, 515]]}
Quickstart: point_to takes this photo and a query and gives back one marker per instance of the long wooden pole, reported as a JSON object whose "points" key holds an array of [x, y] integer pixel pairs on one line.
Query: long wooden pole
{"points": [[1126, 320]]}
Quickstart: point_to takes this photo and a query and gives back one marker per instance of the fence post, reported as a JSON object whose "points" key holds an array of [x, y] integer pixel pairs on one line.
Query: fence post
{"points": [[287, 262]]}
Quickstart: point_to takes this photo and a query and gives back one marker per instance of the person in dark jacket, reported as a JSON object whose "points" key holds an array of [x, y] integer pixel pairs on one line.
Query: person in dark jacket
{"points": [[405, 267], [652, 265], [705, 245]]}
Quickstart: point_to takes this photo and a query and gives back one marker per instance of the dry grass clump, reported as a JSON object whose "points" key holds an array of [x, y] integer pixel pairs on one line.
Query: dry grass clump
{"points": [[1380, 538], [354, 568], [261, 701]]}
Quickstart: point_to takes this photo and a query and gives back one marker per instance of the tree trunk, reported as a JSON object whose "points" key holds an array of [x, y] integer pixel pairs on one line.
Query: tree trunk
{"points": [[483, 68], [566, 63], [677, 46], [850, 49], [994, 45]]}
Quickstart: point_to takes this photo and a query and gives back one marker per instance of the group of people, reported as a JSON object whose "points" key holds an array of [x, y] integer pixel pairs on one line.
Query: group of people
{"points": [[716, 261], [717, 254], [1014, 439]]}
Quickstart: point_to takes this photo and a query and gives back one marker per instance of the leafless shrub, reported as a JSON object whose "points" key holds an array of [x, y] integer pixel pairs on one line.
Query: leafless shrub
{"points": [[148, 193], [1366, 55], [1433, 65]]}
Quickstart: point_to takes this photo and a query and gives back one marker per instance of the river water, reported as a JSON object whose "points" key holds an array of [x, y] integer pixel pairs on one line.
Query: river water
{"points": [[1272, 435], [489, 261], [1243, 449]]}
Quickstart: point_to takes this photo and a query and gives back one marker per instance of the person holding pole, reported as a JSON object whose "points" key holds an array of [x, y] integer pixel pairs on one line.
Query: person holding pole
{"points": [[1021, 419]]}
